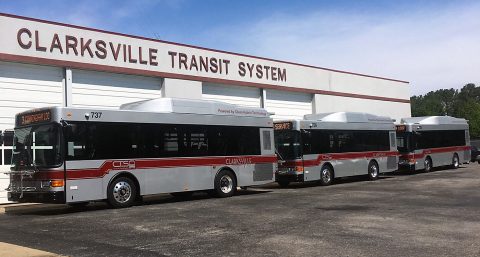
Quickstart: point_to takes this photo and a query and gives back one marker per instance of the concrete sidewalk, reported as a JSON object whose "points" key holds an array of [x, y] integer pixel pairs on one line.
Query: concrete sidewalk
{"points": [[12, 250]]}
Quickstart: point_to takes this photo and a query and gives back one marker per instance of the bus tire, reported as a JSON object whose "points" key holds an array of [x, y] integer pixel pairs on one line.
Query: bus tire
{"points": [[225, 184], [283, 183], [373, 170], [326, 175], [428, 164], [122, 192], [455, 161]]}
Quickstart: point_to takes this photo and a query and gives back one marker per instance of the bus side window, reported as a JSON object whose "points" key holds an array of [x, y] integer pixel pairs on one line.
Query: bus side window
{"points": [[345, 141], [307, 141], [267, 142], [393, 141]]}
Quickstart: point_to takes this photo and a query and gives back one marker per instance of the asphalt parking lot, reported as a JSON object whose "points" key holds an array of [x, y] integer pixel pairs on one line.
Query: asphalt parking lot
{"points": [[425, 214]]}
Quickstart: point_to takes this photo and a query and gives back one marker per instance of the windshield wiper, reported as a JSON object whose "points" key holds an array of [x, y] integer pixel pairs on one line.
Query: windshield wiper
{"points": [[282, 160]]}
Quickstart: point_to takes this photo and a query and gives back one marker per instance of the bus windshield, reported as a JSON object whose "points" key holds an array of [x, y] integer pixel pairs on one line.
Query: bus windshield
{"points": [[405, 142], [287, 143], [36, 146]]}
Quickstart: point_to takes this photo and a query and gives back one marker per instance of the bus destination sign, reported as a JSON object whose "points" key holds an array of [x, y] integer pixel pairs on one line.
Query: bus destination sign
{"points": [[282, 126], [33, 118]]}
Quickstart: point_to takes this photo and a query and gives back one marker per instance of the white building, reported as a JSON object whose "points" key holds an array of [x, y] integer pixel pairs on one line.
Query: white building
{"points": [[45, 63]]}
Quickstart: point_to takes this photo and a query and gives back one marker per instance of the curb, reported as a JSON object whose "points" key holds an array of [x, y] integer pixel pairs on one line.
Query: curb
{"points": [[18, 251], [22, 207]]}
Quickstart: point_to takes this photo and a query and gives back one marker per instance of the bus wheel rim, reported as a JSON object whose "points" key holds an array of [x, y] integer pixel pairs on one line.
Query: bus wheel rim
{"points": [[427, 164], [226, 184], [326, 175], [455, 161], [122, 192], [374, 171]]}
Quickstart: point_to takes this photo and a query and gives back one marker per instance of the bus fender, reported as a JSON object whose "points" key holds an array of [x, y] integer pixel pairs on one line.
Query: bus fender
{"points": [[130, 176]]}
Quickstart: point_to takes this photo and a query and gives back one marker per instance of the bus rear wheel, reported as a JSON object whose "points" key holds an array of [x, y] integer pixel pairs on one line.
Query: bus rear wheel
{"points": [[455, 161], [225, 184], [122, 192], [428, 164], [373, 170], [326, 175]]}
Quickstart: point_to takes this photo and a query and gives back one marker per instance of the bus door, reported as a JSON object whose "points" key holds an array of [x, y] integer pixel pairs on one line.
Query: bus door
{"points": [[80, 186], [309, 165]]}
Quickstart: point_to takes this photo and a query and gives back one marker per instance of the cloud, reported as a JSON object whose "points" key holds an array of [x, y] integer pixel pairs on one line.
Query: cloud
{"points": [[431, 48]]}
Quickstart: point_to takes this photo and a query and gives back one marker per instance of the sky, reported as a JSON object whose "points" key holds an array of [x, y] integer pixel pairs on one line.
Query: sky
{"points": [[432, 44]]}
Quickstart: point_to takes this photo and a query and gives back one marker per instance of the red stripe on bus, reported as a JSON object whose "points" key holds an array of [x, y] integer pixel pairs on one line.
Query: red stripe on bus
{"points": [[435, 150], [339, 156], [135, 164]]}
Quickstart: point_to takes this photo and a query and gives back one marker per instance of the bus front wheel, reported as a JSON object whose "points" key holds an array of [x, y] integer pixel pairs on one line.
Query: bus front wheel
{"points": [[326, 175], [122, 192], [428, 164], [455, 161], [373, 170], [225, 184]]}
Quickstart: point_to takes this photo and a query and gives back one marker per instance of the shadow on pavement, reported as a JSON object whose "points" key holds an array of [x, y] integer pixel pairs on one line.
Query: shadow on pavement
{"points": [[338, 181], [61, 209]]}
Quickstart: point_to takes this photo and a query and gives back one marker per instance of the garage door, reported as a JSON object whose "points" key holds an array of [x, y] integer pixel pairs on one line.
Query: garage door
{"points": [[288, 105], [246, 96], [24, 87], [110, 90]]}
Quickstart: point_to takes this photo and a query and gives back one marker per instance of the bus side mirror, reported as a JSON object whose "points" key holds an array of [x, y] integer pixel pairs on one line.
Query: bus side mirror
{"points": [[67, 129]]}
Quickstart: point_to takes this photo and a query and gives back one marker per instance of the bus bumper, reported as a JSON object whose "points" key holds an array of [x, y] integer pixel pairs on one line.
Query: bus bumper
{"points": [[37, 197], [406, 167], [289, 177]]}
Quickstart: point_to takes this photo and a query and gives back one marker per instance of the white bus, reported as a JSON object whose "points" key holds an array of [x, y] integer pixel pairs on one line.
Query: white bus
{"points": [[75, 155], [333, 145], [432, 141]]}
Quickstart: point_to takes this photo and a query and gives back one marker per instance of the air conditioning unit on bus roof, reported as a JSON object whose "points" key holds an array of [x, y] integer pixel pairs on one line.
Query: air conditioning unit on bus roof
{"points": [[192, 106], [348, 117], [433, 120]]}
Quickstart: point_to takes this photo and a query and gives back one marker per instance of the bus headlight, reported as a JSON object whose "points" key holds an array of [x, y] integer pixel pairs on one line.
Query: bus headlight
{"points": [[45, 183]]}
